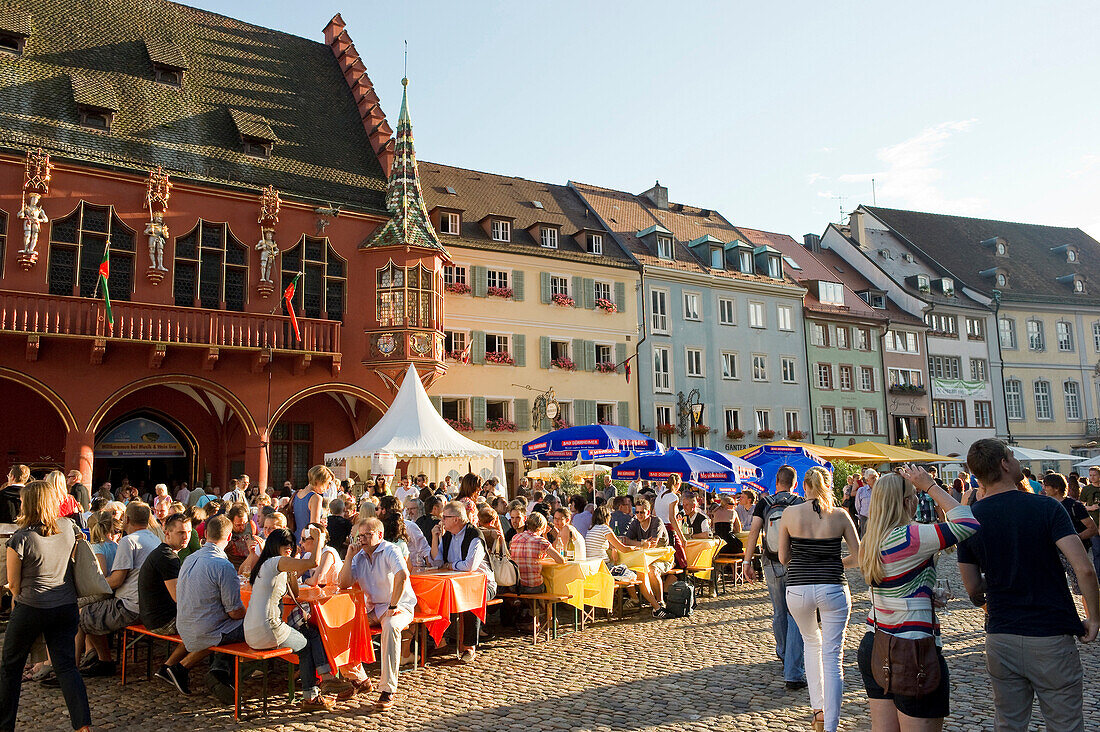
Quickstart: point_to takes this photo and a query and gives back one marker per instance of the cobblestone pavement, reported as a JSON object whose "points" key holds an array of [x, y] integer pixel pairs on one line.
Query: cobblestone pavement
{"points": [[716, 670]]}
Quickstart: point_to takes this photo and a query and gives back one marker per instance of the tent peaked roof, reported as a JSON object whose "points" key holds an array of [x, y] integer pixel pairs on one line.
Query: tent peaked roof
{"points": [[412, 427]]}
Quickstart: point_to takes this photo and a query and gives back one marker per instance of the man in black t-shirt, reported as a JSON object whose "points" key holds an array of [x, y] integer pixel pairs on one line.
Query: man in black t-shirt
{"points": [[157, 598], [1032, 619]]}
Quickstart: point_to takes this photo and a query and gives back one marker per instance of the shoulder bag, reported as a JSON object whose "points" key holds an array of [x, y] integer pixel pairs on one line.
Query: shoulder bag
{"points": [[904, 666], [90, 583], [505, 571]]}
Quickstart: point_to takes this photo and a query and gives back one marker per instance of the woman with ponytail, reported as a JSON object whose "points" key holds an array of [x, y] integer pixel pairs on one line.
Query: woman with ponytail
{"points": [[897, 559], [809, 546]]}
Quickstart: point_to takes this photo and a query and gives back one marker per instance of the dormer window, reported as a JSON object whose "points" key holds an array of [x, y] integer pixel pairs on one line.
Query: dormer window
{"points": [[1002, 279], [1071, 255], [257, 148], [775, 268], [1076, 281], [947, 286], [548, 237], [96, 103], [449, 222], [501, 230], [257, 137], [717, 258], [594, 243], [746, 262], [168, 61], [768, 260], [874, 298], [830, 293], [997, 245], [923, 283], [1078, 286], [664, 247], [1069, 250], [15, 29], [12, 43]]}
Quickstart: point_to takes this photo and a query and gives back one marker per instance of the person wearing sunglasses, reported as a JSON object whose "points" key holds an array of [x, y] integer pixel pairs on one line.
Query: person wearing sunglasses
{"points": [[457, 545]]}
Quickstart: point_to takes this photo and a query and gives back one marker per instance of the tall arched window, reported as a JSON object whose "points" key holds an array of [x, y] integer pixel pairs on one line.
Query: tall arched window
{"points": [[321, 290], [77, 242], [3, 241], [211, 268], [407, 296]]}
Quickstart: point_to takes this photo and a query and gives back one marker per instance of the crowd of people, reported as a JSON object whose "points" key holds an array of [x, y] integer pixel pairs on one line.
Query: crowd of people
{"points": [[214, 569]]}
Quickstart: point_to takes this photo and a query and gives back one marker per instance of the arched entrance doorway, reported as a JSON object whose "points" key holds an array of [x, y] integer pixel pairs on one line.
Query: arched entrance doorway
{"points": [[145, 447], [35, 427]]}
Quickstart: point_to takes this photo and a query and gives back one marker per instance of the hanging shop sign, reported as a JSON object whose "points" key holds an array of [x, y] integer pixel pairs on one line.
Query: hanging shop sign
{"points": [[139, 438]]}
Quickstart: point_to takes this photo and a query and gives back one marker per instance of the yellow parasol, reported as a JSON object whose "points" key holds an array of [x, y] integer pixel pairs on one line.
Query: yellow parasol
{"points": [[878, 452], [825, 453]]}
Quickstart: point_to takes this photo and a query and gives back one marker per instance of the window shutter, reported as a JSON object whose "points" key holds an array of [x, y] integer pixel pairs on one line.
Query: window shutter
{"points": [[437, 402], [620, 296], [522, 410], [517, 285], [578, 295], [481, 281], [519, 349], [477, 406], [578, 353], [544, 352], [544, 423], [583, 409], [544, 287], [624, 414], [620, 356], [589, 356], [820, 420], [589, 293], [477, 346]]}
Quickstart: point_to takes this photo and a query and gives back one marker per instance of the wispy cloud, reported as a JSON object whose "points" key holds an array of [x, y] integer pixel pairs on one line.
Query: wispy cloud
{"points": [[1088, 164], [911, 176], [815, 177]]}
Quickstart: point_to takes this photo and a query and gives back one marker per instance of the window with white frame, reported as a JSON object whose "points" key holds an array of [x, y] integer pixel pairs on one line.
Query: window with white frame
{"points": [[694, 361], [501, 230], [594, 243], [830, 293], [784, 317], [602, 290], [449, 223], [729, 365], [691, 306], [1065, 336], [664, 247], [1006, 327], [863, 339], [823, 373], [658, 308], [454, 274], [819, 336], [497, 410], [842, 337], [456, 409], [1071, 390], [559, 285], [1096, 336], [604, 353], [983, 414], [789, 368], [867, 378], [747, 265], [949, 412], [726, 313], [759, 367], [904, 377], [790, 421], [664, 414], [661, 369], [975, 329], [717, 258], [945, 367], [454, 342], [763, 419], [775, 268], [1035, 339], [1014, 399], [559, 350], [899, 341], [846, 377], [732, 419], [498, 278], [826, 423], [848, 419], [870, 421], [979, 369], [1043, 407], [496, 343], [549, 237], [565, 412], [605, 412], [756, 315]]}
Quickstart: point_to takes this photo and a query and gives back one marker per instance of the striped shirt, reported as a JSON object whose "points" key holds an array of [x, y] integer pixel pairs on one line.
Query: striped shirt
{"points": [[595, 541], [902, 602]]}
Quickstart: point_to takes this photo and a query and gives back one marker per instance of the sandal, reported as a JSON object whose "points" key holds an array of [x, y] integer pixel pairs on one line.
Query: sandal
{"points": [[818, 724], [42, 673]]}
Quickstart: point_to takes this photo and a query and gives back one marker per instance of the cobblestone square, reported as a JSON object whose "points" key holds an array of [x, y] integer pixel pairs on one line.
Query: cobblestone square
{"points": [[716, 670]]}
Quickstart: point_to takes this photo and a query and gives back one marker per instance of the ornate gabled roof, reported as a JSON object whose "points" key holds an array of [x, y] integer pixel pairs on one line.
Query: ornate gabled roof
{"points": [[409, 223]]}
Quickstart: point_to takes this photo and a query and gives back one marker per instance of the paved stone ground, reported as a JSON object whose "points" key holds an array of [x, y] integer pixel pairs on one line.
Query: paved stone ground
{"points": [[716, 670]]}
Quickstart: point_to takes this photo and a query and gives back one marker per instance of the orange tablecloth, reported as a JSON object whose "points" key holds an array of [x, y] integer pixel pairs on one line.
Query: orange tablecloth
{"points": [[444, 593], [341, 617]]}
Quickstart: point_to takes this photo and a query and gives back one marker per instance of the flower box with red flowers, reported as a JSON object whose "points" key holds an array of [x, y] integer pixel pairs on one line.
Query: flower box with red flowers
{"points": [[606, 305], [505, 292], [559, 424], [500, 425], [700, 429], [455, 355], [462, 425], [765, 434], [499, 357], [605, 367], [735, 434], [564, 300], [457, 288], [563, 363], [666, 429], [796, 435]]}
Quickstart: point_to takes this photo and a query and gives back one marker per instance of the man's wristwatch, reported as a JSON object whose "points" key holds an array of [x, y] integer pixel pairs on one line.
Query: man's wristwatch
{"points": [[393, 607]]}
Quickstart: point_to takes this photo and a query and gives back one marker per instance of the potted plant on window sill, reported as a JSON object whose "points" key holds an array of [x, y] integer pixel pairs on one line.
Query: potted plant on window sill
{"points": [[796, 435], [503, 292], [564, 363], [606, 305], [907, 389], [605, 367], [500, 425], [499, 357], [735, 434], [700, 429], [457, 288], [666, 429], [559, 424], [461, 425], [563, 300], [765, 435]]}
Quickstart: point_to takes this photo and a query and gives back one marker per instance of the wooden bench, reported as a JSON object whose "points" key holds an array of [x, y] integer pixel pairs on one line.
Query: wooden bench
{"points": [[549, 626], [731, 562], [619, 599], [236, 650]]}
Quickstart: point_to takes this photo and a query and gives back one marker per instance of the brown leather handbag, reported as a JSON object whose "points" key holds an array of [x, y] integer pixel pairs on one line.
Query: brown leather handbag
{"points": [[904, 666]]}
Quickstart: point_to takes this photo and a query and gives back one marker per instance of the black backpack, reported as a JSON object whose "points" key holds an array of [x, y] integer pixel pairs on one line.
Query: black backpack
{"points": [[775, 505], [680, 599]]}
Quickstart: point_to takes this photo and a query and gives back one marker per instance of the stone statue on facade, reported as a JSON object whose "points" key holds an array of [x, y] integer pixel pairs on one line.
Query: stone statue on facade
{"points": [[157, 231], [33, 217], [268, 251]]}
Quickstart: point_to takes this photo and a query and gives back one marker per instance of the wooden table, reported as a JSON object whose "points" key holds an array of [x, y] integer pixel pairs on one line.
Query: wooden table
{"points": [[586, 582], [446, 592], [640, 559]]}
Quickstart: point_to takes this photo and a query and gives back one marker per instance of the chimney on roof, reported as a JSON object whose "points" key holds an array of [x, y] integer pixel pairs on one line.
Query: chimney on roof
{"points": [[658, 195], [855, 223], [812, 242]]}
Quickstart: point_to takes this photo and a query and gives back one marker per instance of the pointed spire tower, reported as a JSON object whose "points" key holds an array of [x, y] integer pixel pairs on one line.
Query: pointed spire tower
{"points": [[409, 224]]}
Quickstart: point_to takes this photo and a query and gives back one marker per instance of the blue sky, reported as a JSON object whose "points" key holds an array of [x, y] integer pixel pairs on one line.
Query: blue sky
{"points": [[776, 114]]}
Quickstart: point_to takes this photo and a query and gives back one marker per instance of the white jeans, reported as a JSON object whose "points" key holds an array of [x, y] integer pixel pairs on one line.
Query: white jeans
{"points": [[391, 650], [824, 643]]}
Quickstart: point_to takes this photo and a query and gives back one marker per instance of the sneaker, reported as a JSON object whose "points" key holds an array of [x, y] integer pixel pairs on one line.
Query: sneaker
{"points": [[468, 655], [87, 658], [98, 668], [318, 703], [661, 614], [385, 701], [796, 685], [177, 676], [222, 691]]}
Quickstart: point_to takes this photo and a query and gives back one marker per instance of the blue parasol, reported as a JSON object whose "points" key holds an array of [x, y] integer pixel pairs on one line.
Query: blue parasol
{"points": [[770, 458], [591, 442], [690, 467]]}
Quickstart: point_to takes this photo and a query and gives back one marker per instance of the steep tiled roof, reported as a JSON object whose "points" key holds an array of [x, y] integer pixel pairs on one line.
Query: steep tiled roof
{"points": [[813, 268], [15, 20], [477, 195], [1032, 268], [165, 53], [856, 282], [322, 150], [94, 92]]}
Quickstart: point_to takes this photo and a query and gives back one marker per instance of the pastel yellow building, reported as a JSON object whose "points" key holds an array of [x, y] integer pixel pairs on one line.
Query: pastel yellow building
{"points": [[538, 297]]}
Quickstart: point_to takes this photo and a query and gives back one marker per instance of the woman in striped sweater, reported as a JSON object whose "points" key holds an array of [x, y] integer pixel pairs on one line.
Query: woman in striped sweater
{"points": [[897, 558]]}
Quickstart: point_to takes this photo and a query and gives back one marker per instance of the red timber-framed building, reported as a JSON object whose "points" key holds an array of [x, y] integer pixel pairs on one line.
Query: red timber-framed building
{"points": [[197, 145]]}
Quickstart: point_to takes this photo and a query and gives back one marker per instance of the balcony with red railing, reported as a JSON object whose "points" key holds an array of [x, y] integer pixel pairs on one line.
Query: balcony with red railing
{"points": [[78, 317]]}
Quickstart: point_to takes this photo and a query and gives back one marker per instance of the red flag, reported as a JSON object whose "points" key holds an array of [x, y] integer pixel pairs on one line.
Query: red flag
{"points": [[288, 298], [465, 358], [626, 368]]}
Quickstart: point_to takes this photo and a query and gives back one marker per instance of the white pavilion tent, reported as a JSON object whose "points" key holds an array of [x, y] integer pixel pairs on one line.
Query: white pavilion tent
{"points": [[412, 429]]}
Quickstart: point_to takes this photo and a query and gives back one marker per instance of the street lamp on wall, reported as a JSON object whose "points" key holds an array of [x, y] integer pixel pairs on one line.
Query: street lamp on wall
{"points": [[829, 439], [695, 404]]}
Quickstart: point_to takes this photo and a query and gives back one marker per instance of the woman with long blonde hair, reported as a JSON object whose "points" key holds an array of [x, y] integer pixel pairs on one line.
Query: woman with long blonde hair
{"points": [[45, 603], [809, 546], [897, 559]]}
